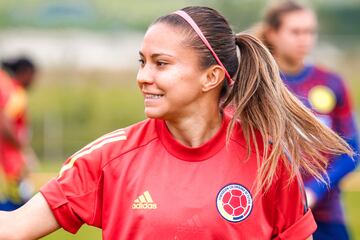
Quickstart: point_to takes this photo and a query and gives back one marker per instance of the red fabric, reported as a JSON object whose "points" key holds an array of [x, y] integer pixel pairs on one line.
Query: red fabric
{"points": [[5, 81], [12, 159], [148, 186], [60, 207], [288, 209], [301, 229]]}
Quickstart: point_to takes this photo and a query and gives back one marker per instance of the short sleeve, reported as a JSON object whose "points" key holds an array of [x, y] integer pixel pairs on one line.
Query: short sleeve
{"points": [[292, 219], [75, 196]]}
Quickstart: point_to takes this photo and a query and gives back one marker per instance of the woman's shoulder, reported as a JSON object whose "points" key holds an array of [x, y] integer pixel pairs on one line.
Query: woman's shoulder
{"points": [[118, 142], [135, 135], [327, 74], [246, 138], [140, 133]]}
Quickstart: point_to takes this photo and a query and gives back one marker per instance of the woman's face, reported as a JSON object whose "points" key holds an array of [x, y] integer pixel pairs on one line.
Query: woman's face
{"points": [[295, 37], [169, 75]]}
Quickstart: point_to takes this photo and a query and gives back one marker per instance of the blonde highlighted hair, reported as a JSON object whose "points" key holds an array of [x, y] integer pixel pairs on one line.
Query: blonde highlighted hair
{"points": [[263, 103]]}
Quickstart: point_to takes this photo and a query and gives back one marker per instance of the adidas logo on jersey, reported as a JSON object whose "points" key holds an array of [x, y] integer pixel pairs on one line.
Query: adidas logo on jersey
{"points": [[144, 201]]}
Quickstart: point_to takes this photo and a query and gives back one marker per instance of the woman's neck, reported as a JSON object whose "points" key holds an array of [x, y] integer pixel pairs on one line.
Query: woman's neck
{"points": [[290, 67], [196, 129]]}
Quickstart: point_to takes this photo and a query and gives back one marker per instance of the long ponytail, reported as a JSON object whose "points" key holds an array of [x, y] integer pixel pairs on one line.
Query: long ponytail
{"points": [[262, 103], [274, 122]]}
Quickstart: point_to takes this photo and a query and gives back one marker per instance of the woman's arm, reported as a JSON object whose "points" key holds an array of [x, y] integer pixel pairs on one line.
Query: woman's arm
{"points": [[31, 221]]}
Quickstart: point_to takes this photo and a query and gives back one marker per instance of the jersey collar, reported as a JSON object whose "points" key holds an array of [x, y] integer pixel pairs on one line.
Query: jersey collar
{"points": [[298, 77], [201, 153]]}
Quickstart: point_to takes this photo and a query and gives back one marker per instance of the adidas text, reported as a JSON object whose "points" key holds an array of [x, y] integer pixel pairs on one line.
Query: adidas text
{"points": [[144, 206]]}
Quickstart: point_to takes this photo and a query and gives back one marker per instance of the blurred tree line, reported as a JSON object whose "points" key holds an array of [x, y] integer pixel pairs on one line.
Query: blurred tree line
{"points": [[69, 109], [336, 16]]}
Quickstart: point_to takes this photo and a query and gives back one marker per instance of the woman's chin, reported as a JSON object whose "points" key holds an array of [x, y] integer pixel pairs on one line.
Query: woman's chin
{"points": [[153, 114]]}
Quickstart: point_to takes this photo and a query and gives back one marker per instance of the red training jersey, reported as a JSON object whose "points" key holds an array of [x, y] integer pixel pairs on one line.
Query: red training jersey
{"points": [[13, 105], [140, 183], [5, 83]]}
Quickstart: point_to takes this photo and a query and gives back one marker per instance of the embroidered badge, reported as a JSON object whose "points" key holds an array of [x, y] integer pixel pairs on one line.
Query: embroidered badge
{"points": [[234, 202]]}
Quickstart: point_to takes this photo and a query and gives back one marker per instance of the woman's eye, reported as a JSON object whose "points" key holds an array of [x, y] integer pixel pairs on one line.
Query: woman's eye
{"points": [[141, 61], [161, 63]]}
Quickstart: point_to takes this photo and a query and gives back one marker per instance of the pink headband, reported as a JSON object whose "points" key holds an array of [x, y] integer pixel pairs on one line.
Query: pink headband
{"points": [[192, 23]]}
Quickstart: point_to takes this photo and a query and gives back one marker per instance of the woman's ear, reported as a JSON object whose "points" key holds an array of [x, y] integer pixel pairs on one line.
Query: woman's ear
{"points": [[213, 78]]}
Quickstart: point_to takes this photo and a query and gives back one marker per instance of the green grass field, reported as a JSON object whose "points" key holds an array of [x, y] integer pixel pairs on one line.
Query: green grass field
{"points": [[351, 200], [85, 233]]}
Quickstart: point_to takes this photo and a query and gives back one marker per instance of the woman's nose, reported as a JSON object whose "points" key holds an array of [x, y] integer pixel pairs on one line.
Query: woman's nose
{"points": [[145, 75]]}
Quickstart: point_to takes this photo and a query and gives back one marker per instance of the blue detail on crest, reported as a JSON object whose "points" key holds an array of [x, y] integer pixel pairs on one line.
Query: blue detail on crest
{"points": [[246, 209]]}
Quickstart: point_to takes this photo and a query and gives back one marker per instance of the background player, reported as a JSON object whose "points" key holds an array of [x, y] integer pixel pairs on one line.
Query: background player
{"points": [[14, 140], [289, 30], [154, 179]]}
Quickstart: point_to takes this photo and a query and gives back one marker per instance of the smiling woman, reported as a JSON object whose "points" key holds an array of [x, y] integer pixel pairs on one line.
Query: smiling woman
{"points": [[192, 171]]}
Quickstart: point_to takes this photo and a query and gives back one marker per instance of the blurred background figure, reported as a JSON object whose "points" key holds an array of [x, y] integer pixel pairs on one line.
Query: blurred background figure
{"points": [[16, 156], [290, 30]]}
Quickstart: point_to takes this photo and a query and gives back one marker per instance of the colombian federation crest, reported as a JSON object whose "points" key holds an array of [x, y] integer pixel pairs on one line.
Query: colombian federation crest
{"points": [[234, 202]]}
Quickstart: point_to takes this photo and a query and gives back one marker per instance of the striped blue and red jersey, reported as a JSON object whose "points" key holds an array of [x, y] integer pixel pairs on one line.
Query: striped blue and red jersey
{"points": [[326, 94]]}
